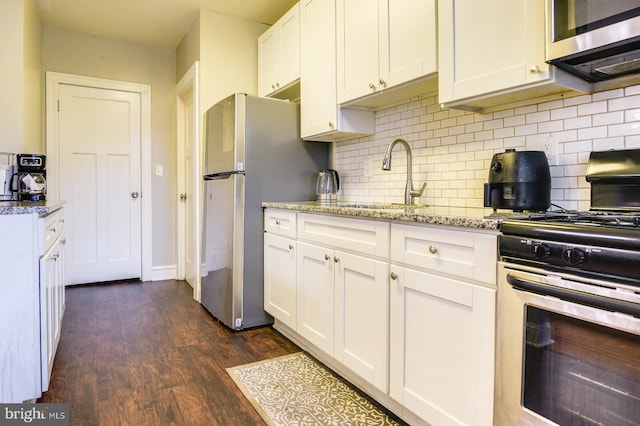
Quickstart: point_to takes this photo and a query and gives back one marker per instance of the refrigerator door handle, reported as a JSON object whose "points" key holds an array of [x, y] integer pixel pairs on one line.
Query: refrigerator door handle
{"points": [[223, 175]]}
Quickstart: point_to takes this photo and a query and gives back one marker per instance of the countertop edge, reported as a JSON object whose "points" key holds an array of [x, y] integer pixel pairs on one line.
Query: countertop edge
{"points": [[30, 207], [418, 215]]}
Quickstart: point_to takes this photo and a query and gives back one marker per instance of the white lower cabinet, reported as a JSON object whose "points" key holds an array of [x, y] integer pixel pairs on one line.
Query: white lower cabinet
{"points": [[407, 310], [280, 278], [52, 302], [362, 317], [316, 295], [343, 302], [31, 302], [442, 323], [441, 339]]}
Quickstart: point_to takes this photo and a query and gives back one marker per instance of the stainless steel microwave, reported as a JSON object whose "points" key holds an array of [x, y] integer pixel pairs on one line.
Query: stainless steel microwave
{"points": [[594, 39]]}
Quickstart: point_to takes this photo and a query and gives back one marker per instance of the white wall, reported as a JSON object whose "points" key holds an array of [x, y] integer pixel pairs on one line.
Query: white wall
{"points": [[228, 56], [33, 95], [452, 149], [21, 82], [82, 54]]}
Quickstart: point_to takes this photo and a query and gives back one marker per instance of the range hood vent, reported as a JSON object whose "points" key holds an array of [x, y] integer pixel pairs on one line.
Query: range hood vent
{"points": [[608, 62]]}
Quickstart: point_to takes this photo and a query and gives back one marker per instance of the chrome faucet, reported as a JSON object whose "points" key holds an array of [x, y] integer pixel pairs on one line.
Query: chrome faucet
{"points": [[409, 192]]}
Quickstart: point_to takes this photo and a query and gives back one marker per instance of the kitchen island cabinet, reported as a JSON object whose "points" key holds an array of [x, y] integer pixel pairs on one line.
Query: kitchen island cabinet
{"points": [[492, 53], [321, 119], [31, 298], [382, 45]]}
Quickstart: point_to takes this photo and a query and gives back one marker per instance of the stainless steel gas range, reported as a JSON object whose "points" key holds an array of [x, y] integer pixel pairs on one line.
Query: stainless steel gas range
{"points": [[568, 341]]}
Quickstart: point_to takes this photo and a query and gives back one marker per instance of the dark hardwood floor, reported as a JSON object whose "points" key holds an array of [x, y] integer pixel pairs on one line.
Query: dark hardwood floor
{"points": [[135, 353]]}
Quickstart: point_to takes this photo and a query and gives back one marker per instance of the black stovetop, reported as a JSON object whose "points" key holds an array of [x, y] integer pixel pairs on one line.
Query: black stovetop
{"points": [[613, 228]]}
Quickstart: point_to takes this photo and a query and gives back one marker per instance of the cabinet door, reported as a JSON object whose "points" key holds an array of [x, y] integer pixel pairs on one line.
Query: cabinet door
{"points": [[408, 41], [362, 317], [489, 45], [51, 307], [442, 348], [357, 48], [315, 294], [268, 61], [318, 110], [289, 46], [280, 278]]}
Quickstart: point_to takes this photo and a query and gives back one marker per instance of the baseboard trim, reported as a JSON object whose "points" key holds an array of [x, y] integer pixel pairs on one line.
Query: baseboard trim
{"points": [[159, 273]]}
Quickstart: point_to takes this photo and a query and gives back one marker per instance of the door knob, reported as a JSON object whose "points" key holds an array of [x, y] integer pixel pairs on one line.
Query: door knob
{"points": [[183, 197], [134, 194]]}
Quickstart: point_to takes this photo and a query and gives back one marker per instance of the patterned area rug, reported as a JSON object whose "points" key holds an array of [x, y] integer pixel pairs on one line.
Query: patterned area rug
{"points": [[297, 390]]}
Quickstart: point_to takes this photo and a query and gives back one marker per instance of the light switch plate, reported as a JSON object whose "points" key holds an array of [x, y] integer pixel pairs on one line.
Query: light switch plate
{"points": [[159, 170]]}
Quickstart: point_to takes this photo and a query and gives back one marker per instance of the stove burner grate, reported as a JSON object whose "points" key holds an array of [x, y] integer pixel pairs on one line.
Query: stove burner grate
{"points": [[606, 218]]}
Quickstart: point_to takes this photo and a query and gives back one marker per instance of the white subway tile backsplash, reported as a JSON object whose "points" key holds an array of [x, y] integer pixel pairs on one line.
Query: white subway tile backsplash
{"points": [[452, 149]]}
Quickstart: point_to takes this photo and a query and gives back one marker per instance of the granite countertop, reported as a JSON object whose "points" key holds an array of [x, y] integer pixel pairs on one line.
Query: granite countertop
{"points": [[437, 215], [29, 207]]}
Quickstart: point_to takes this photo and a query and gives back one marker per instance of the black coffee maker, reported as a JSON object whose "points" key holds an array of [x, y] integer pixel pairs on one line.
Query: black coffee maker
{"points": [[518, 180], [30, 182]]}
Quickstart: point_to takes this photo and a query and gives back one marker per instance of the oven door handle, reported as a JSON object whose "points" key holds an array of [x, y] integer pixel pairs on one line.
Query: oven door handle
{"points": [[579, 297]]}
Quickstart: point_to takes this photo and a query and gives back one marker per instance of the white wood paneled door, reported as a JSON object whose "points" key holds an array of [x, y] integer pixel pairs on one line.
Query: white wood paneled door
{"points": [[99, 141]]}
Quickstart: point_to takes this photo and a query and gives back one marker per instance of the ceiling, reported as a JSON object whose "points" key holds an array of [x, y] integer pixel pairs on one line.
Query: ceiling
{"points": [[160, 23]]}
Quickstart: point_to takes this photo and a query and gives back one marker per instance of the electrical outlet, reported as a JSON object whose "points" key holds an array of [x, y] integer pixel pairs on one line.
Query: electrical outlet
{"points": [[550, 148]]}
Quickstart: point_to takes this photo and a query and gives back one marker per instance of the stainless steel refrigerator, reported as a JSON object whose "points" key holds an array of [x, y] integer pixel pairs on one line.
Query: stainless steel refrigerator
{"points": [[253, 153]]}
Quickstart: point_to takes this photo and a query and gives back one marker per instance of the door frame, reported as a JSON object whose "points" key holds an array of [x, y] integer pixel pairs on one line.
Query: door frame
{"points": [[189, 82], [53, 82]]}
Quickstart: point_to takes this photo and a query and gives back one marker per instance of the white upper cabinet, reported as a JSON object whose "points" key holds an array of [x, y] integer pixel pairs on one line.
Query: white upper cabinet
{"points": [[492, 53], [279, 55], [321, 118], [382, 45]]}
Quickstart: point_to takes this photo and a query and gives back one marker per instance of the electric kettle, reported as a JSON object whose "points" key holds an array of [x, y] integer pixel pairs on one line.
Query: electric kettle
{"points": [[327, 186]]}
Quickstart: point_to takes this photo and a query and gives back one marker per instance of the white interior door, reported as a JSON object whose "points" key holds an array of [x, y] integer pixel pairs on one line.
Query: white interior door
{"points": [[188, 198], [189, 179], [99, 140]]}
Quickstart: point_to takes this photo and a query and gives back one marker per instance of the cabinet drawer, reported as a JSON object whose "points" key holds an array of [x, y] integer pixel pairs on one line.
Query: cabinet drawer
{"points": [[280, 222], [466, 254], [364, 236], [51, 227]]}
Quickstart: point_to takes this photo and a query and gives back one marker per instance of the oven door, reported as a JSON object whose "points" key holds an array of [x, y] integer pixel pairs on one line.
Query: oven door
{"points": [[563, 362]]}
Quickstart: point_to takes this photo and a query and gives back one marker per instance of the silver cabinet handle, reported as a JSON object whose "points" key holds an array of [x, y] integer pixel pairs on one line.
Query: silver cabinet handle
{"points": [[277, 222], [383, 83], [336, 259], [327, 257], [290, 246], [534, 69], [433, 249], [372, 86], [394, 276], [134, 194], [183, 197], [331, 125], [273, 86]]}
